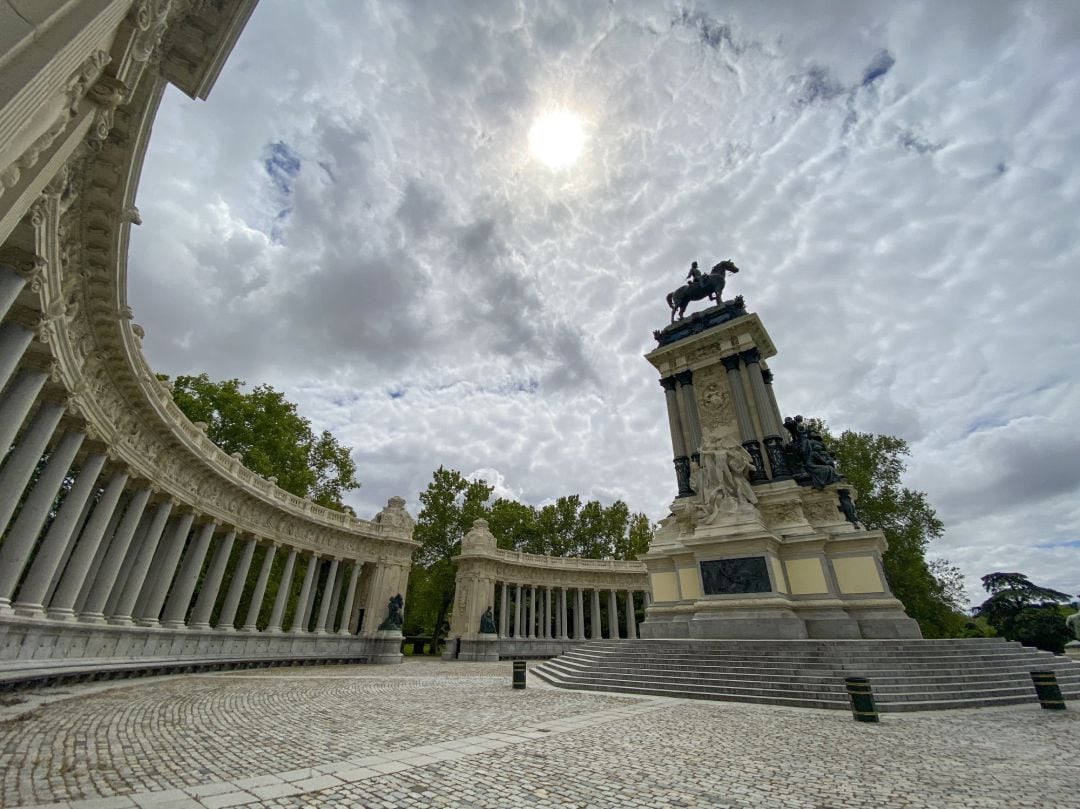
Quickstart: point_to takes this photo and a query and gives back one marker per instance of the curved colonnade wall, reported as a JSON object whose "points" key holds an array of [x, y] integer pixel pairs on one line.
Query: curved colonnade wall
{"points": [[540, 605], [126, 533]]}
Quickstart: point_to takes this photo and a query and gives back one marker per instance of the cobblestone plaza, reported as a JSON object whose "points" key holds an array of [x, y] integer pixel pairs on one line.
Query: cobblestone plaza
{"points": [[434, 734]]}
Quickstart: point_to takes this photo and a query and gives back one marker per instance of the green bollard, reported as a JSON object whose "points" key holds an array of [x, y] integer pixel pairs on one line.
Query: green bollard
{"points": [[862, 699], [1046, 687], [519, 674]]}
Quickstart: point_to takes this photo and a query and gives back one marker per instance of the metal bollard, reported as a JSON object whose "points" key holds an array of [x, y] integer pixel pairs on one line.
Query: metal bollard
{"points": [[519, 674], [1046, 687], [862, 699]]}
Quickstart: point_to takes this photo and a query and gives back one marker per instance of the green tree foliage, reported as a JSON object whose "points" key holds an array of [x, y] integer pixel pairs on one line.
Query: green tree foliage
{"points": [[567, 527], [874, 465], [273, 439], [1022, 611]]}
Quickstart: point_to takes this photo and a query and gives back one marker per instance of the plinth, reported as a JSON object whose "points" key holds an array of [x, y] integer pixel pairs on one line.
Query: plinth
{"points": [[759, 544]]}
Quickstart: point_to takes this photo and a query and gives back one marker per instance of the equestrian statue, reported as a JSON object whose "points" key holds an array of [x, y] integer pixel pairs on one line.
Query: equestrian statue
{"points": [[700, 286]]}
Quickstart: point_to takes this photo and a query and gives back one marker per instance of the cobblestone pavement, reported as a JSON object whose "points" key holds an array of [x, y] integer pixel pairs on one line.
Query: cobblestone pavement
{"points": [[432, 734]]}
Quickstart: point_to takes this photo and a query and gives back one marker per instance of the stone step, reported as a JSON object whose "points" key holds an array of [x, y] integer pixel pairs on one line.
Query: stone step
{"points": [[905, 675]]}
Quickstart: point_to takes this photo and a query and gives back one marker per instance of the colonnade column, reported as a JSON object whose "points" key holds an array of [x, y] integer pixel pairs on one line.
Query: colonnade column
{"points": [[631, 619], [208, 593], [517, 612], [14, 340], [596, 633], [335, 597], [59, 539], [282, 595], [504, 616], [742, 416], [770, 423], [17, 401], [613, 615], [98, 593], [21, 538], [21, 462], [182, 590], [689, 412], [62, 604], [579, 615], [227, 617], [547, 613], [327, 597], [563, 632], [350, 599], [170, 557], [307, 592], [532, 612], [678, 442]]}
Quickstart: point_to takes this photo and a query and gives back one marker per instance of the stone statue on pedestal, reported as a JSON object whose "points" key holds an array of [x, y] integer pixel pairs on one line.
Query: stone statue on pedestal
{"points": [[487, 623], [395, 617], [808, 458]]}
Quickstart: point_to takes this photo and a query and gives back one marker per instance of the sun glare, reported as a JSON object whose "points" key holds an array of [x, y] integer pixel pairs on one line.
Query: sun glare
{"points": [[557, 138]]}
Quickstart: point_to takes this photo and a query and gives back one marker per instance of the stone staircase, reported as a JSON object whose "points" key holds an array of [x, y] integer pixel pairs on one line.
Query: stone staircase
{"points": [[906, 675]]}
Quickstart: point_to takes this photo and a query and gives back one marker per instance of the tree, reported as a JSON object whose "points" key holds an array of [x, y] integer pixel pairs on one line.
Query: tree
{"points": [[1022, 611], [274, 440], [874, 465]]}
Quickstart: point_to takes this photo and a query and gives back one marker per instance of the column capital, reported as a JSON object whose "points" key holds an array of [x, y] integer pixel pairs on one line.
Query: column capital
{"points": [[685, 377], [750, 356], [667, 383], [731, 363]]}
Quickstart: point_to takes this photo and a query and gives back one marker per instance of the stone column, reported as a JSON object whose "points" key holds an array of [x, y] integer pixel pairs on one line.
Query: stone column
{"points": [[11, 284], [23, 535], [767, 376], [563, 632], [547, 613], [596, 633], [208, 593], [227, 617], [129, 562], [579, 615], [678, 443], [646, 599], [532, 612], [613, 615], [504, 615], [171, 552], [742, 416], [14, 340], [307, 592], [251, 618], [688, 409], [114, 557], [328, 589], [180, 597], [631, 619], [335, 599], [16, 403], [59, 540], [770, 425], [517, 612], [102, 550], [137, 578], [282, 595], [350, 599], [86, 546], [21, 462]]}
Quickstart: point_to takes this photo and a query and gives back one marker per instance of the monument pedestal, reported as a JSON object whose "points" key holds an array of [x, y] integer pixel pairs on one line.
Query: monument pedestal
{"points": [[763, 541], [386, 646]]}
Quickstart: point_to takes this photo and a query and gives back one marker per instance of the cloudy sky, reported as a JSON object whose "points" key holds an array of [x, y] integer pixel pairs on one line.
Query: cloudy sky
{"points": [[356, 217]]}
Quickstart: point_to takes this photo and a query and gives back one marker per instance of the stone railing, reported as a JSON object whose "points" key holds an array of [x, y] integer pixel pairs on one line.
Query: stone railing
{"points": [[127, 534], [538, 606]]}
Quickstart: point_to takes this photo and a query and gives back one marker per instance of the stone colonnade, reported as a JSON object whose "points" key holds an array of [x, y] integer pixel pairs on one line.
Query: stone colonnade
{"points": [[124, 531], [539, 604]]}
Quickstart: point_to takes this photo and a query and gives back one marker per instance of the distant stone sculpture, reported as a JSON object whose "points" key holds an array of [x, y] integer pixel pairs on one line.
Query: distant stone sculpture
{"points": [[847, 508], [700, 286], [720, 481], [395, 617], [1073, 622], [487, 623]]}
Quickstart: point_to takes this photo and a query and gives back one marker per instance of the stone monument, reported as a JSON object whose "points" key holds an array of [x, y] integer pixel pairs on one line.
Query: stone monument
{"points": [[763, 540], [473, 635]]}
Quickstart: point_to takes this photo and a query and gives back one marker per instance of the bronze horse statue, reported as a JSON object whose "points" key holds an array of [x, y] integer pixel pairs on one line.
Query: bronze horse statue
{"points": [[707, 286]]}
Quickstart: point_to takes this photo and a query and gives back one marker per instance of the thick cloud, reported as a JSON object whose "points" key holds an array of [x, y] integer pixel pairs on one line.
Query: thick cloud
{"points": [[354, 217]]}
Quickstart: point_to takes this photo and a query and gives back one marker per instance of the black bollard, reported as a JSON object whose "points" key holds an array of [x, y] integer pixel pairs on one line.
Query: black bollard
{"points": [[1046, 687], [862, 699], [519, 674]]}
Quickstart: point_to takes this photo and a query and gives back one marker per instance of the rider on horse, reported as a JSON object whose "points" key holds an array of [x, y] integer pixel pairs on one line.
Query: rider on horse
{"points": [[694, 275]]}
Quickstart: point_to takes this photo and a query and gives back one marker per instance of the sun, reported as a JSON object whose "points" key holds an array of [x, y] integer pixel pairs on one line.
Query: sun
{"points": [[557, 138]]}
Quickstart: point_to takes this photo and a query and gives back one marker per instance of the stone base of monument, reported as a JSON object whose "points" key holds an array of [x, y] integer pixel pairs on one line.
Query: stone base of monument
{"points": [[481, 648], [1072, 650], [386, 646]]}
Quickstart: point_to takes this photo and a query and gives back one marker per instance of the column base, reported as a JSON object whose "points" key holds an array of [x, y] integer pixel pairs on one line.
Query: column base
{"points": [[226, 628], [92, 618], [149, 623], [29, 610], [173, 625], [201, 627], [60, 614]]}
